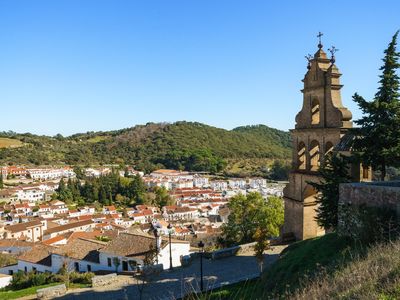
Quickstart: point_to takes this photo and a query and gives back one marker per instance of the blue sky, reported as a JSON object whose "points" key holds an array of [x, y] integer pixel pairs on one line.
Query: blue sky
{"points": [[75, 66]]}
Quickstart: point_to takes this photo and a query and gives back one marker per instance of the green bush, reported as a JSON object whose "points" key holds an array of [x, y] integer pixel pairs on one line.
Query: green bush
{"points": [[84, 278], [23, 280], [369, 224], [39, 279]]}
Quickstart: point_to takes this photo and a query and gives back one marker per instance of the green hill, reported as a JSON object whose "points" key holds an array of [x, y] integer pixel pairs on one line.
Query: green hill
{"points": [[180, 145]]}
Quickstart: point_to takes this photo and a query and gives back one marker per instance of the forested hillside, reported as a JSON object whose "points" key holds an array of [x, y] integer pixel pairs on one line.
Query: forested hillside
{"points": [[181, 145]]}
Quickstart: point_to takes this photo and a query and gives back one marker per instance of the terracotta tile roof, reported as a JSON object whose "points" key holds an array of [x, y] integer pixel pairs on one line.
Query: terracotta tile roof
{"points": [[131, 245], [22, 226], [85, 217], [136, 215], [134, 244], [98, 216], [84, 234], [181, 230], [51, 224], [102, 225], [39, 254], [53, 240], [82, 249], [116, 226], [112, 234], [171, 207], [183, 209], [68, 226], [112, 216], [147, 212], [25, 205], [110, 208], [141, 207], [15, 243]]}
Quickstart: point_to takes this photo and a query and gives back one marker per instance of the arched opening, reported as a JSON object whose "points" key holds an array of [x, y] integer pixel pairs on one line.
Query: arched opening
{"points": [[301, 156], [314, 156], [315, 111]]}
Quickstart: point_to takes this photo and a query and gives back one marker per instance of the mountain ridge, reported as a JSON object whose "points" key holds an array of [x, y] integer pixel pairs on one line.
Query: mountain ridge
{"points": [[182, 145]]}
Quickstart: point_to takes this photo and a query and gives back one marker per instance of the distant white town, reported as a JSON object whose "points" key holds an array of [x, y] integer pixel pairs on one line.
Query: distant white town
{"points": [[44, 233]]}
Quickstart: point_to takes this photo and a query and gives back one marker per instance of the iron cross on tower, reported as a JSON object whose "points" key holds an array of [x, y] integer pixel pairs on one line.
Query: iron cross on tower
{"points": [[333, 50], [319, 36]]}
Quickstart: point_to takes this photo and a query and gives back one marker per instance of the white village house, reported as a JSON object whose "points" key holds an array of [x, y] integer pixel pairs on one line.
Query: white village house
{"points": [[86, 255]]}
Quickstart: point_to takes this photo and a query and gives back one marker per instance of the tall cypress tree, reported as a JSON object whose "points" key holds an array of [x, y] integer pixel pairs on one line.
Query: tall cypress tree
{"points": [[378, 142], [61, 186], [1, 181], [333, 172]]}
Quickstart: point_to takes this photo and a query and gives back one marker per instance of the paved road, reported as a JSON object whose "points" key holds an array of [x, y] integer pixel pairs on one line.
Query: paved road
{"points": [[175, 284]]}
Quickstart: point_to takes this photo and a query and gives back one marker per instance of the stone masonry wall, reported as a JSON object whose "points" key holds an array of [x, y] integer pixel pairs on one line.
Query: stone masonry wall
{"points": [[51, 292], [104, 280], [353, 196]]}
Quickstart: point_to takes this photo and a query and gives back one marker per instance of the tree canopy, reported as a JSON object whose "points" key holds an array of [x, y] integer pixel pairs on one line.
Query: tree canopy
{"points": [[378, 137], [250, 214], [333, 172]]}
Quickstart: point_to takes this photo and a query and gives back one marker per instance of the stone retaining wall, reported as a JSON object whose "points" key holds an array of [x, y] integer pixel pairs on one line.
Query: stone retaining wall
{"points": [[152, 270], [218, 254], [247, 247], [355, 197], [51, 292], [371, 194], [104, 280]]}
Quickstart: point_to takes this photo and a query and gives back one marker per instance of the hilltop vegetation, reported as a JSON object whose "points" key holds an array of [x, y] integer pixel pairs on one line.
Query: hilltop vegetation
{"points": [[181, 145]]}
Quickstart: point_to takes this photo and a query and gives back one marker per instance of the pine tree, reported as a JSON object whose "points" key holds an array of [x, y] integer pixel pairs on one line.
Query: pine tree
{"points": [[379, 134], [137, 189], [61, 186], [110, 197], [333, 172], [103, 196]]}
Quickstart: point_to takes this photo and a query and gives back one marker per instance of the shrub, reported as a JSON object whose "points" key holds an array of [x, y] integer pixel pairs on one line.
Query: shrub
{"points": [[84, 278], [369, 224], [23, 280], [39, 279], [19, 281]]}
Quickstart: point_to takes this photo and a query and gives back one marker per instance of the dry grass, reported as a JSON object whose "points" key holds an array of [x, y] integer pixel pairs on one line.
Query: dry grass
{"points": [[328, 267], [9, 143], [375, 276]]}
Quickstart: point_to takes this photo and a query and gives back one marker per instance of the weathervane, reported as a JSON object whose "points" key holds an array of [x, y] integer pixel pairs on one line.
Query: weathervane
{"points": [[319, 36], [309, 58], [333, 50]]}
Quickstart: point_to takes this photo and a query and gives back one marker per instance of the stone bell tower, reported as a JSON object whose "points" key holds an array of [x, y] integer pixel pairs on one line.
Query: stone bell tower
{"points": [[320, 126]]}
